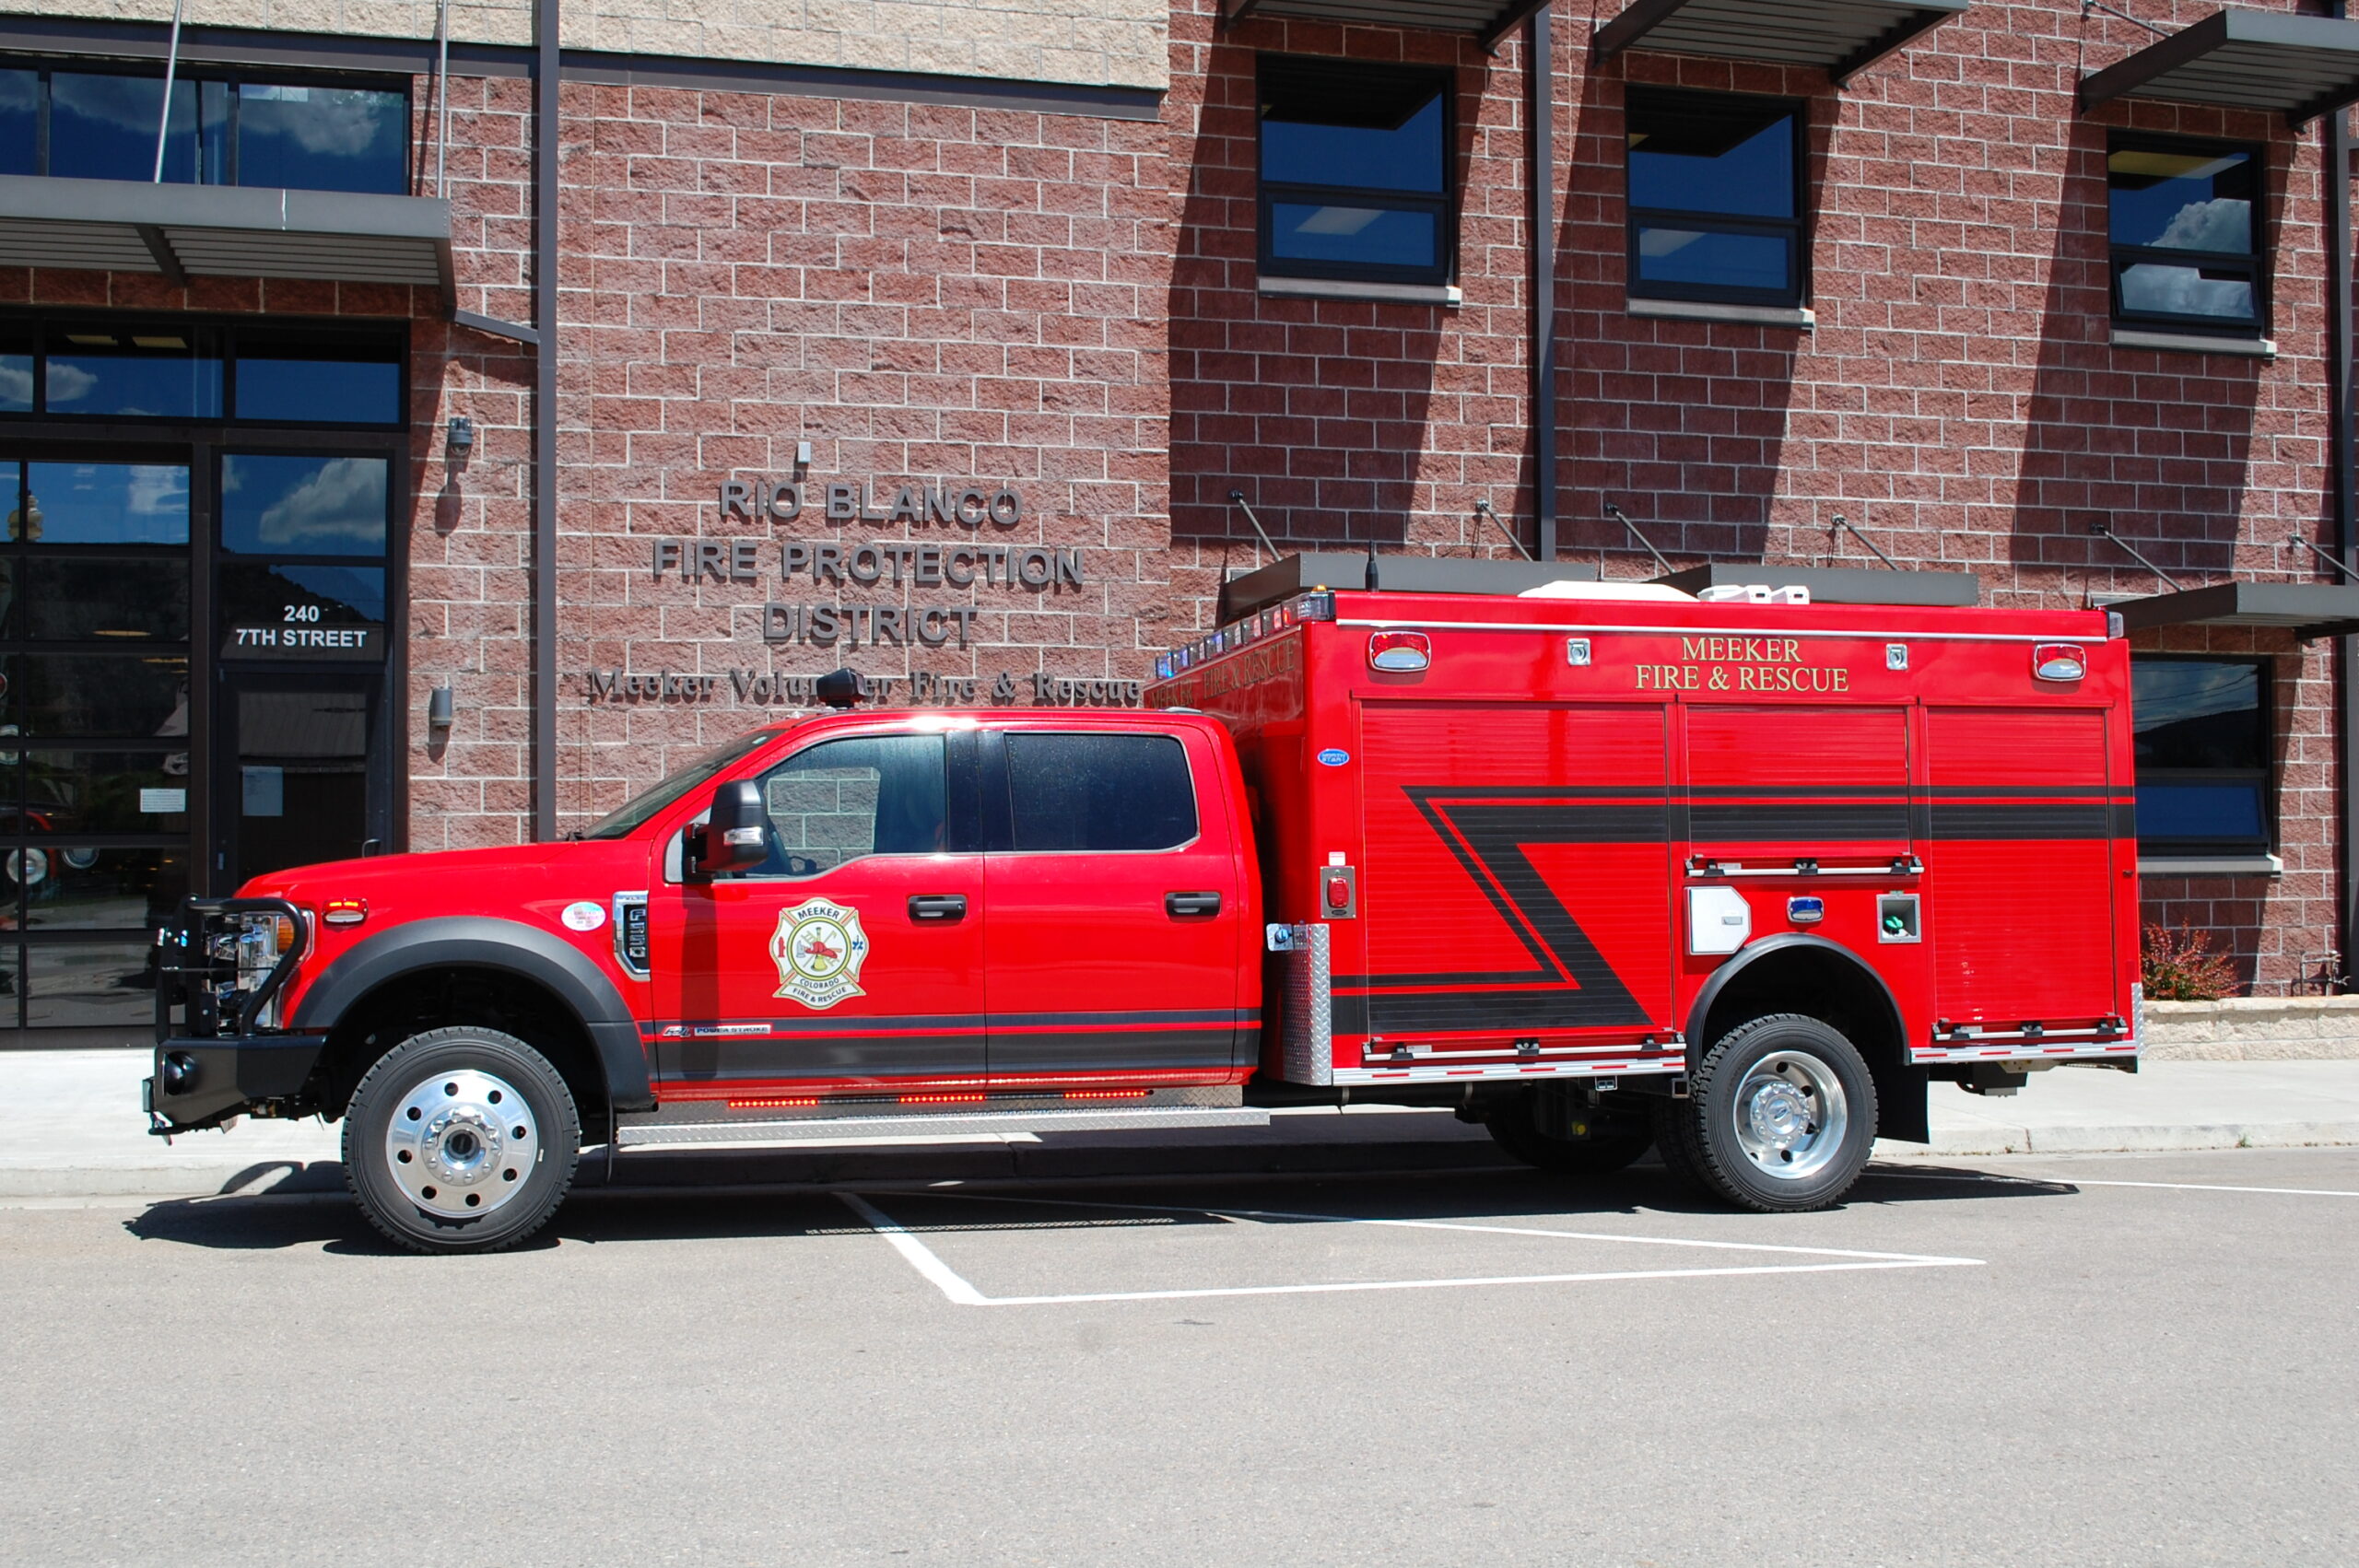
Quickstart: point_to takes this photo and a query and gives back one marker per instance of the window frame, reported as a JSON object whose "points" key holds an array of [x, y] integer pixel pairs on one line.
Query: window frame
{"points": [[236, 77], [2265, 775], [2256, 260], [1268, 193], [43, 326], [761, 777], [1796, 230], [999, 786]]}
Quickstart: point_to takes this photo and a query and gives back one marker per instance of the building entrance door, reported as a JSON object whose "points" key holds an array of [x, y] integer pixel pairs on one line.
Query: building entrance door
{"points": [[302, 772]]}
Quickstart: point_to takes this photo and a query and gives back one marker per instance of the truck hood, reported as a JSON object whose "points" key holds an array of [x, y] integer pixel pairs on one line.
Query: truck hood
{"points": [[465, 880]]}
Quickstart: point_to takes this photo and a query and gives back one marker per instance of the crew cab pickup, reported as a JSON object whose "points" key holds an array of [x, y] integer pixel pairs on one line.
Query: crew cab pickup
{"points": [[1604, 867]]}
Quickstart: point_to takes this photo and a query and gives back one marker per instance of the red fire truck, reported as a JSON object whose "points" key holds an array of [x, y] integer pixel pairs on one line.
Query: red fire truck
{"points": [[1604, 867]]}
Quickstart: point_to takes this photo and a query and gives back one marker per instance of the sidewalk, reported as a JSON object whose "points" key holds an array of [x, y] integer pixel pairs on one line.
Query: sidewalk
{"points": [[70, 1127]]}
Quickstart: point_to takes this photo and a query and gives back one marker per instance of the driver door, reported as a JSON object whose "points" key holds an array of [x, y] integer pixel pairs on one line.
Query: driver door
{"points": [[853, 956]]}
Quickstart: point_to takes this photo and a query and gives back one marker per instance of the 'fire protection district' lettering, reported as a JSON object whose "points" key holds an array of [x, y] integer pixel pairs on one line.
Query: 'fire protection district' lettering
{"points": [[819, 948]]}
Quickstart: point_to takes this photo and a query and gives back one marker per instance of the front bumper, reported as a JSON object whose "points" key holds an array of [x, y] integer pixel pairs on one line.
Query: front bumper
{"points": [[204, 1082], [212, 1059]]}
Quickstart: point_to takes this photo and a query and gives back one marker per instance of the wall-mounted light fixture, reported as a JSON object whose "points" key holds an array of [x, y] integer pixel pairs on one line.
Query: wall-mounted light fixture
{"points": [[438, 709], [459, 442]]}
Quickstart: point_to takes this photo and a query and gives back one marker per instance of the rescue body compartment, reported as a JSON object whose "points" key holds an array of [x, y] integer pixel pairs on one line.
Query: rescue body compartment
{"points": [[1586, 824]]}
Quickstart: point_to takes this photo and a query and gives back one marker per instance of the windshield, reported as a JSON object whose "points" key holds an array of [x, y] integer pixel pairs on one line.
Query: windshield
{"points": [[625, 820]]}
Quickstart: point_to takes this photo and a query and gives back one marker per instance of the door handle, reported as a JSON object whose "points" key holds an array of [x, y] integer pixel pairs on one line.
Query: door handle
{"points": [[1191, 905], [938, 906]]}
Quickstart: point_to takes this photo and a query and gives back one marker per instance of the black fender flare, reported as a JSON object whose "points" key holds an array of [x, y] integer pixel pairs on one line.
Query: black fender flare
{"points": [[480, 941], [1900, 1083], [1754, 952]]}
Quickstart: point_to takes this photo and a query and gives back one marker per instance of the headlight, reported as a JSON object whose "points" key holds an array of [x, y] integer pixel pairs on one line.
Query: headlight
{"points": [[255, 943]]}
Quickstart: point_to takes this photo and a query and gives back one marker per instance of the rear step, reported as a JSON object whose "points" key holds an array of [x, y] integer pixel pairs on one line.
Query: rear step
{"points": [[656, 1131]]}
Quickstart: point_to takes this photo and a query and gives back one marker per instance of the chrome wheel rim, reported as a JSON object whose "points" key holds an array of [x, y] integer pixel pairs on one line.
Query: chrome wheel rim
{"points": [[1791, 1115], [462, 1144]]}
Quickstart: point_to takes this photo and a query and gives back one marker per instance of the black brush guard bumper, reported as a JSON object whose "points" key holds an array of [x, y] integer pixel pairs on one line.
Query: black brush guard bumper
{"points": [[212, 1060]]}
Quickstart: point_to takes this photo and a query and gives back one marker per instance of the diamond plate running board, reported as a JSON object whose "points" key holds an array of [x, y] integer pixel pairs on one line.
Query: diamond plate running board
{"points": [[802, 1130]]}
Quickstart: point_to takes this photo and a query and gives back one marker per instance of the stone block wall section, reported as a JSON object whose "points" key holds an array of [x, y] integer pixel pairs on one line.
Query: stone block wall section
{"points": [[1119, 43], [2296, 1028]]}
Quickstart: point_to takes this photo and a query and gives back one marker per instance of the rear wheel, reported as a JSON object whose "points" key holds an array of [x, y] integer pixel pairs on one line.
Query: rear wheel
{"points": [[461, 1139], [1781, 1115], [1541, 1126]]}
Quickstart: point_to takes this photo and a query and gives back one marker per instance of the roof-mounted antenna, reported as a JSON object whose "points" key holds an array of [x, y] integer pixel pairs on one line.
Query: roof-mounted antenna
{"points": [[1236, 499], [2105, 531], [1618, 515], [1845, 525], [1483, 508]]}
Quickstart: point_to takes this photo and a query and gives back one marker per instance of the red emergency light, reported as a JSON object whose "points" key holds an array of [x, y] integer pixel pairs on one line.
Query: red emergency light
{"points": [[1400, 653]]}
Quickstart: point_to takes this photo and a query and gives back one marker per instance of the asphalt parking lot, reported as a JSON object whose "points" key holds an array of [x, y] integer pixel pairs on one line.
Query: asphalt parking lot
{"points": [[2096, 1360]]}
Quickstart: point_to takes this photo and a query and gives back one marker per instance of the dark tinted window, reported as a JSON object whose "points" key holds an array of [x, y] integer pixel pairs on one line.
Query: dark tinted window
{"points": [[841, 800], [303, 506], [165, 371], [285, 385], [308, 595], [20, 122], [15, 367], [1100, 792], [102, 125], [102, 503], [82, 599], [2183, 228], [1715, 201], [73, 695], [1355, 170], [322, 138], [2202, 754]]}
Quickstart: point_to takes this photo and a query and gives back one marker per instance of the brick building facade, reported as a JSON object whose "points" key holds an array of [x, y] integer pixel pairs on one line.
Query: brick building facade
{"points": [[1015, 319]]}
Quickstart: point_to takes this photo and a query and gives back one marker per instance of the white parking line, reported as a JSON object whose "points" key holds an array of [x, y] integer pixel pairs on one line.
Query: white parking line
{"points": [[931, 1267]]}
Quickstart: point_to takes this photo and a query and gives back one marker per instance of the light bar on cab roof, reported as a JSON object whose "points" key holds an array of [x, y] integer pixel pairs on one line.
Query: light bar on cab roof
{"points": [[1302, 607]]}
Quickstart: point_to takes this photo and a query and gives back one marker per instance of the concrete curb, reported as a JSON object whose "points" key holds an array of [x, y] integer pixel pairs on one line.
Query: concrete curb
{"points": [[2178, 1139]]}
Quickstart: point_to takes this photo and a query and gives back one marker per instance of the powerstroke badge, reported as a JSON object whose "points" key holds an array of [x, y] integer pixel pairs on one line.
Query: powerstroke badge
{"points": [[819, 948]]}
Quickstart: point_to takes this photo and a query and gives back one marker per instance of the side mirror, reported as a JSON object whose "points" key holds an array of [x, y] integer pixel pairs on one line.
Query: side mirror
{"points": [[733, 838]]}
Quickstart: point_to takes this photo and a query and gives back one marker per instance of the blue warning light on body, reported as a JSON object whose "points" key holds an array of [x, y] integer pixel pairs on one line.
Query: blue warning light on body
{"points": [[1805, 911]]}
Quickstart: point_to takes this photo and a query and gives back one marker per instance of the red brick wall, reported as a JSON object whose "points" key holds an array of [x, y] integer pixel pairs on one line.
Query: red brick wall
{"points": [[924, 294], [1959, 396], [1344, 420]]}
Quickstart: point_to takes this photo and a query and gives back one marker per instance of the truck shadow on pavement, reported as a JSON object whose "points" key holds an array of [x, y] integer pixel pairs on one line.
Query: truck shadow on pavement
{"points": [[309, 1207]]}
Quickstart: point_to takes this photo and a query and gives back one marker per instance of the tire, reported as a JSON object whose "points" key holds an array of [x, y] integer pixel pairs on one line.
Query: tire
{"points": [[1779, 1119], [1603, 1141], [461, 1139]]}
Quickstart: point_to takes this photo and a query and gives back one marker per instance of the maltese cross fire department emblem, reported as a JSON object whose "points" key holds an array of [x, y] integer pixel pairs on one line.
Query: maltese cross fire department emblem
{"points": [[819, 948]]}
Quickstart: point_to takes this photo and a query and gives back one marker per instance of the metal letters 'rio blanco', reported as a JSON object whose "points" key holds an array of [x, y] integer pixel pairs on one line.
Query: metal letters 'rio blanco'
{"points": [[819, 948]]}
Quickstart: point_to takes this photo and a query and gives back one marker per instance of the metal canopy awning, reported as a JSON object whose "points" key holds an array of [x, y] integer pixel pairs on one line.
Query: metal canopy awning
{"points": [[1836, 585], [1488, 20], [185, 231], [1843, 36], [1290, 575], [2297, 67], [2306, 609]]}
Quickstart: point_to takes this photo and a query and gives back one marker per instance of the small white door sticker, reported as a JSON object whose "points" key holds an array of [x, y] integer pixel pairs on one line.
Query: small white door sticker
{"points": [[585, 916]]}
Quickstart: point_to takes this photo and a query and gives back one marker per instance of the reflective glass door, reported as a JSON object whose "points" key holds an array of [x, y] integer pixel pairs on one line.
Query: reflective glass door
{"points": [[298, 784]]}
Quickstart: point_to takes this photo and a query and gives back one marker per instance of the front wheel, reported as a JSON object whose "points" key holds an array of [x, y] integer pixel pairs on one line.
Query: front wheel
{"points": [[461, 1139], [1780, 1116]]}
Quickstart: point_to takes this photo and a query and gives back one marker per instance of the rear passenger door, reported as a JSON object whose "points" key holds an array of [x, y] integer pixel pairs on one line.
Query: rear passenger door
{"points": [[1116, 908]]}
